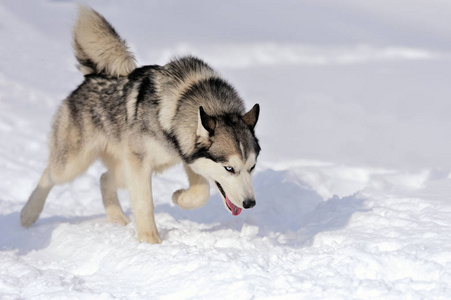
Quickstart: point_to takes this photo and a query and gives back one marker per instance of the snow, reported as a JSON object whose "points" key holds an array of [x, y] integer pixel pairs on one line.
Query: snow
{"points": [[353, 183]]}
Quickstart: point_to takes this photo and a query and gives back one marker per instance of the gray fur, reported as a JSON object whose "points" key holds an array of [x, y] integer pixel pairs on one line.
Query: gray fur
{"points": [[98, 48], [140, 121]]}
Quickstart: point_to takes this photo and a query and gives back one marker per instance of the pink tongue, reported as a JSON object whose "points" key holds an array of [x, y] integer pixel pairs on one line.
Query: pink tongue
{"points": [[235, 209]]}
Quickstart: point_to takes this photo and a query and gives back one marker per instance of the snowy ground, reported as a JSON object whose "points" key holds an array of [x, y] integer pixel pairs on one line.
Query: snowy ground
{"points": [[353, 184]]}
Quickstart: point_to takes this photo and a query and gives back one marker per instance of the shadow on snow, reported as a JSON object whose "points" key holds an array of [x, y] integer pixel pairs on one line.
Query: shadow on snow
{"points": [[284, 207], [37, 237]]}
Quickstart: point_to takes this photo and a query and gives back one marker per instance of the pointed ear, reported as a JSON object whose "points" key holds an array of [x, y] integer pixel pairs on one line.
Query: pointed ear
{"points": [[251, 117], [205, 124]]}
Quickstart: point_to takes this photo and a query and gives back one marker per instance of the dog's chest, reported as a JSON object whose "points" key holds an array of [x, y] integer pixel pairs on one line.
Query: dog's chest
{"points": [[161, 157]]}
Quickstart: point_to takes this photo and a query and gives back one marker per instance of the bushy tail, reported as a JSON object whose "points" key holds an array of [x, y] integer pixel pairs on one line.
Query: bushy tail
{"points": [[98, 48]]}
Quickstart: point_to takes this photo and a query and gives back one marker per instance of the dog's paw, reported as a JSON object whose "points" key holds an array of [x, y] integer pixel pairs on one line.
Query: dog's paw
{"points": [[189, 199], [28, 216], [176, 197], [151, 237], [118, 218]]}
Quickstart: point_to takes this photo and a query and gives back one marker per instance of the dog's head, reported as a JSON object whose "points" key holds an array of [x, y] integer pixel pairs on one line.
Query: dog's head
{"points": [[226, 154]]}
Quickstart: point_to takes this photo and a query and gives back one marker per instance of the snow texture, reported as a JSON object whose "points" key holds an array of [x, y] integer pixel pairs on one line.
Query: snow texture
{"points": [[353, 183]]}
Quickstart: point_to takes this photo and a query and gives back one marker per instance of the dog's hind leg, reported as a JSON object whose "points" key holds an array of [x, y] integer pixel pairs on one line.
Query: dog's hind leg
{"points": [[198, 193], [31, 211], [114, 212], [64, 166], [55, 173]]}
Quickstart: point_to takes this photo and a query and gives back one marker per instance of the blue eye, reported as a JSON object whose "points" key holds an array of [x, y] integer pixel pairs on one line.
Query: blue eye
{"points": [[230, 170]]}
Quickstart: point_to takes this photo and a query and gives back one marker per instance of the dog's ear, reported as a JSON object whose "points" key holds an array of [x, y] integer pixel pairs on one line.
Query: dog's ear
{"points": [[251, 117], [205, 124]]}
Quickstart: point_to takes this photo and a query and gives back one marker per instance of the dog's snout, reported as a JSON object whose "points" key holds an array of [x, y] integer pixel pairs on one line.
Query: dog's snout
{"points": [[248, 203]]}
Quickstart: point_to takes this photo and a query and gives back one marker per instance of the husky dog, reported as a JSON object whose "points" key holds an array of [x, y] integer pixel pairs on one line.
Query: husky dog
{"points": [[141, 121]]}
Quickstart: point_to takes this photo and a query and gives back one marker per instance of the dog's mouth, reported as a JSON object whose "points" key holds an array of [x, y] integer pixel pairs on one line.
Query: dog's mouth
{"points": [[232, 207]]}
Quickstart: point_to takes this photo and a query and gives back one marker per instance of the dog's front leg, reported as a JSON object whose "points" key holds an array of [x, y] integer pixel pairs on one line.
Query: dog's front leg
{"points": [[198, 193], [138, 174]]}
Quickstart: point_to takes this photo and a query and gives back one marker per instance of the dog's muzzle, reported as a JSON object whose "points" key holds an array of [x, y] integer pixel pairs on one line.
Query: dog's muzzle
{"points": [[248, 203]]}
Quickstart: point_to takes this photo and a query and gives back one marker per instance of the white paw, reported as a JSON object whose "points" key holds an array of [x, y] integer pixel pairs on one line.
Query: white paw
{"points": [[114, 214], [29, 215], [151, 237], [119, 218], [189, 199], [176, 197], [27, 218]]}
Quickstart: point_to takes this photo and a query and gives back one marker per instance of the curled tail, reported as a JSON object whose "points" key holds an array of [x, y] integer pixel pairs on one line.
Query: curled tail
{"points": [[98, 48]]}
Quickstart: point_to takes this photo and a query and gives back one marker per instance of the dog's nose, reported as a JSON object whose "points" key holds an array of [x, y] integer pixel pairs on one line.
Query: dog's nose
{"points": [[248, 203]]}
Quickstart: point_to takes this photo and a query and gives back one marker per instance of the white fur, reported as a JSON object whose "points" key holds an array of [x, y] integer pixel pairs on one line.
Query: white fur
{"points": [[198, 193], [100, 46], [238, 187]]}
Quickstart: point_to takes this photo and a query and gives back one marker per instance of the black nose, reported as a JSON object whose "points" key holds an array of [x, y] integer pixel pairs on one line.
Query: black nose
{"points": [[248, 203]]}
